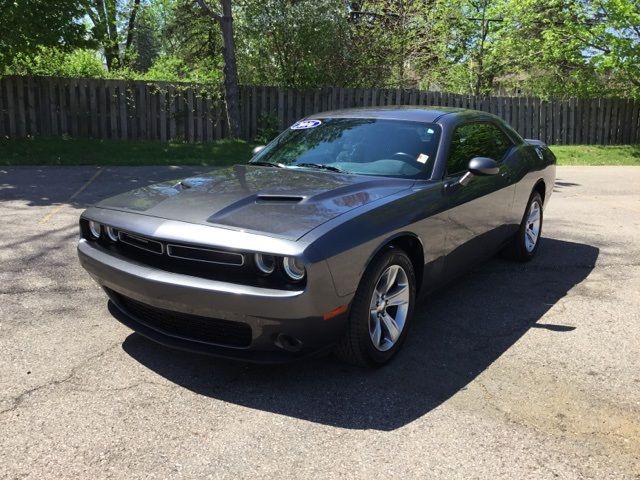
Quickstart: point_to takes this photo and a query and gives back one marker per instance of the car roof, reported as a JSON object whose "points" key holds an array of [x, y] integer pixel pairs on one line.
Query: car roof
{"points": [[402, 112]]}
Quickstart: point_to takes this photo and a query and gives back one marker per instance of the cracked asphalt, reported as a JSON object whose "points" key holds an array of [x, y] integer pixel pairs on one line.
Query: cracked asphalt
{"points": [[514, 371]]}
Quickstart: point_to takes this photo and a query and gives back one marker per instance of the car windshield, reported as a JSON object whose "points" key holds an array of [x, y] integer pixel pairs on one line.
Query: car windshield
{"points": [[363, 146]]}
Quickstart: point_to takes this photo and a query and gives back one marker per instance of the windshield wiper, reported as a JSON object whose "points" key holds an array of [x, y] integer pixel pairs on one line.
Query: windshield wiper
{"points": [[267, 164], [321, 166]]}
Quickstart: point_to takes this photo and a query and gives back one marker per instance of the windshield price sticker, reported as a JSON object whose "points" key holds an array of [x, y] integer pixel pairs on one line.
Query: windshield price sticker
{"points": [[303, 124]]}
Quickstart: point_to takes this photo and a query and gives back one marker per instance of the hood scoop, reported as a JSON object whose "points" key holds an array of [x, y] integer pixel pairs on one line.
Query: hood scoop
{"points": [[266, 198]]}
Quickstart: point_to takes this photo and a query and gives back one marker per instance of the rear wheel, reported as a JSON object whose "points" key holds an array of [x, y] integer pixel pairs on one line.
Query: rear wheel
{"points": [[525, 244], [381, 311]]}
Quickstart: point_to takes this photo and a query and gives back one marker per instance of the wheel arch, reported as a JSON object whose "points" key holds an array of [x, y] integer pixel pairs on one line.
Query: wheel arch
{"points": [[409, 243], [541, 188]]}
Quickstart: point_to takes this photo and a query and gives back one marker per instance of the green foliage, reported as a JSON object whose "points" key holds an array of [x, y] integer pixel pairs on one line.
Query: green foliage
{"points": [[147, 37], [28, 25], [173, 68], [112, 27], [268, 128], [536, 44], [562, 48], [597, 154], [547, 48], [144, 50], [384, 41], [57, 62], [190, 45], [614, 40], [294, 44]]}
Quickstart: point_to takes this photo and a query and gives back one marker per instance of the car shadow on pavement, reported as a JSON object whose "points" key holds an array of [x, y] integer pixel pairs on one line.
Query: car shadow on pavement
{"points": [[459, 332], [80, 186]]}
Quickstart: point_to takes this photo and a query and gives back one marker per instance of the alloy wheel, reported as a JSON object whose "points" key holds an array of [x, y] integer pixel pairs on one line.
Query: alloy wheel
{"points": [[532, 227], [389, 307]]}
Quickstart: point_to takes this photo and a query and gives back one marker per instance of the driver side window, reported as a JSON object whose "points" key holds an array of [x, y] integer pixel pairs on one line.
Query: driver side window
{"points": [[481, 139]]}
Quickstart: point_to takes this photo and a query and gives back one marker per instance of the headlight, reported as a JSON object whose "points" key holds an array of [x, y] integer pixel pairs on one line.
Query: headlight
{"points": [[265, 263], [94, 229], [112, 233], [293, 268]]}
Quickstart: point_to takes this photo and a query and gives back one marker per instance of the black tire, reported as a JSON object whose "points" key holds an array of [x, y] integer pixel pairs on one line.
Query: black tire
{"points": [[356, 346], [517, 250]]}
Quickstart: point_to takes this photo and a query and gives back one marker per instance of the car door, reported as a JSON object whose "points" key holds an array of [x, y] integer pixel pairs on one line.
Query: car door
{"points": [[480, 211]]}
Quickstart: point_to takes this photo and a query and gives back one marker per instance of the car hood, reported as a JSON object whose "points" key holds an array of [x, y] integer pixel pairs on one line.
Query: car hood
{"points": [[285, 203]]}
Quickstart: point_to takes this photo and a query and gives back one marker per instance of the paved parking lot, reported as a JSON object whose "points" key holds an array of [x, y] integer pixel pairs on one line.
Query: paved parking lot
{"points": [[515, 371]]}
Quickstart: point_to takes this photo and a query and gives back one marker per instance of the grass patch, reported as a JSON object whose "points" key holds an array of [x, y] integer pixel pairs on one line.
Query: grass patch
{"points": [[82, 151], [597, 154]]}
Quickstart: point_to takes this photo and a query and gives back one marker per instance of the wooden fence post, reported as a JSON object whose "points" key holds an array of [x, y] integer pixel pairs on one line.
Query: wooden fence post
{"points": [[3, 128]]}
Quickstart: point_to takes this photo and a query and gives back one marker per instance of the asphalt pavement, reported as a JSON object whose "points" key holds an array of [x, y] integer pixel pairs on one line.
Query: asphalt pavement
{"points": [[513, 371]]}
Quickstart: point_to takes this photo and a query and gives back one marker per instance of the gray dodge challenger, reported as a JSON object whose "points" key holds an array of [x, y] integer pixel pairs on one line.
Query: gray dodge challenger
{"points": [[326, 239]]}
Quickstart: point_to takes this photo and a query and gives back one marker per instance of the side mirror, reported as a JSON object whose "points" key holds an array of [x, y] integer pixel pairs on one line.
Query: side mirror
{"points": [[479, 166], [483, 166], [258, 149]]}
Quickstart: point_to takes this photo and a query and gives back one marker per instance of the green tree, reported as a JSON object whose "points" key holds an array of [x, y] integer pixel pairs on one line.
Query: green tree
{"points": [[224, 18], [295, 44], [551, 48], [442, 44], [191, 43], [27, 25], [611, 38], [395, 34], [113, 23], [147, 42], [464, 45], [380, 36], [538, 55], [558, 48]]}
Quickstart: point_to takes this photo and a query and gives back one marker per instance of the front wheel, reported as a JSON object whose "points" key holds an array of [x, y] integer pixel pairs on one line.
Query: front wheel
{"points": [[525, 244], [381, 311]]}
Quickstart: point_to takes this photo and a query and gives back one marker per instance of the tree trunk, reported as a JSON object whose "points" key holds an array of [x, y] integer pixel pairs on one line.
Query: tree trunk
{"points": [[130, 30], [231, 93], [111, 56], [111, 47], [483, 36]]}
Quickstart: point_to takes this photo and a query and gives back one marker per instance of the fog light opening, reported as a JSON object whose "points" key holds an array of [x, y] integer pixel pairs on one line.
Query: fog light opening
{"points": [[289, 343]]}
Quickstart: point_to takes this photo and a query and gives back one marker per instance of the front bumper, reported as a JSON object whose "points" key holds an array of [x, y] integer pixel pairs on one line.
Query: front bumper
{"points": [[273, 315]]}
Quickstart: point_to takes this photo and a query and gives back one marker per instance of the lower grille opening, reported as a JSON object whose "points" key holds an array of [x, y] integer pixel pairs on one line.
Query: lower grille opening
{"points": [[189, 327]]}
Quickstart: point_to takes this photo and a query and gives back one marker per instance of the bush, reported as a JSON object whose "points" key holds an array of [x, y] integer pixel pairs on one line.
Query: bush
{"points": [[173, 69], [57, 62], [267, 128], [87, 63]]}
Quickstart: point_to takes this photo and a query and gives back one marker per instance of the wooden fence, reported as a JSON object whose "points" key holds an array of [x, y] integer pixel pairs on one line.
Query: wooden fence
{"points": [[117, 109]]}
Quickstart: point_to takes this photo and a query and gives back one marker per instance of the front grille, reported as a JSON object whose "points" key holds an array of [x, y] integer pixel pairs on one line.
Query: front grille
{"points": [[184, 252], [209, 255], [141, 242], [218, 264], [190, 327]]}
